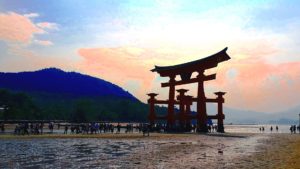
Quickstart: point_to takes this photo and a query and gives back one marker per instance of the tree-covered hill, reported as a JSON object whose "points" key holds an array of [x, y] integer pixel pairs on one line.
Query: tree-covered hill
{"points": [[54, 94], [53, 80]]}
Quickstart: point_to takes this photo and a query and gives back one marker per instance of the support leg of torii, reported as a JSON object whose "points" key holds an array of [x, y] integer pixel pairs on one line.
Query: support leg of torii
{"points": [[182, 102], [201, 105], [170, 116], [152, 115], [188, 125], [220, 111]]}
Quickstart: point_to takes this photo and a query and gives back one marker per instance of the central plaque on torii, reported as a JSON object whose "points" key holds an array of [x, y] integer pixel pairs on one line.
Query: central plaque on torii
{"points": [[185, 71]]}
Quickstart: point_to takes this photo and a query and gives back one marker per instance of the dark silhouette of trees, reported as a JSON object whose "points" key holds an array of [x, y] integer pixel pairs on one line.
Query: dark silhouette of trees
{"points": [[17, 106], [46, 106]]}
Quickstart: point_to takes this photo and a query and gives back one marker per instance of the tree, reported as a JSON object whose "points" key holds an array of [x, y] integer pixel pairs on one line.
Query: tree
{"points": [[82, 108]]}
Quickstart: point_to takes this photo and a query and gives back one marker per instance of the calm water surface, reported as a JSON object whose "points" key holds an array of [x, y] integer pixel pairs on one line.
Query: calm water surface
{"points": [[65, 153]]}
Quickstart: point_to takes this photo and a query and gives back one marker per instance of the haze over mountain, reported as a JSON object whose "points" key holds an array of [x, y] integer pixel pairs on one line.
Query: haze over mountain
{"points": [[290, 116]]}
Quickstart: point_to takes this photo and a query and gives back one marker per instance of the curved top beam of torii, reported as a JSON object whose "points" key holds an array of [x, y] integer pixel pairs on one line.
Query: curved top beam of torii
{"points": [[197, 65]]}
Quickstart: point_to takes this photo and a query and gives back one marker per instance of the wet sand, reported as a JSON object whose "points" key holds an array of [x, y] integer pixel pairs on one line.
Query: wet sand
{"points": [[280, 151], [170, 150]]}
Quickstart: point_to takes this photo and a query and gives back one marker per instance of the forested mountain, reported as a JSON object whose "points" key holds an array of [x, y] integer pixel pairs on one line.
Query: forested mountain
{"points": [[53, 80], [54, 94]]}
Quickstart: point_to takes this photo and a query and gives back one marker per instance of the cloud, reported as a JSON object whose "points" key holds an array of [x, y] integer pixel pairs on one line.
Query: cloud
{"points": [[17, 28], [43, 42], [118, 65], [256, 84], [251, 82], [48, 25], [32, 15]]}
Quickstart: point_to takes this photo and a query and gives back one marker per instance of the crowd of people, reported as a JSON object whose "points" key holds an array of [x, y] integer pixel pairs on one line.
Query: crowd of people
{"points": [[294, 128], [98, 128], [262, 129], [29, 128]]}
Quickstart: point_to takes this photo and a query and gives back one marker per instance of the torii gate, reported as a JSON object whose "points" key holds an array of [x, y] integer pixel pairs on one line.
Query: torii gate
{"points": [[185, 71]]}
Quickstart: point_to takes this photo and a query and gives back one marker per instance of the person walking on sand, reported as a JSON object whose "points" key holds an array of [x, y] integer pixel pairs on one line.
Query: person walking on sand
{"points": [[271, 129], [2, 128], [66, 129], [276, 128], [118, 128]]}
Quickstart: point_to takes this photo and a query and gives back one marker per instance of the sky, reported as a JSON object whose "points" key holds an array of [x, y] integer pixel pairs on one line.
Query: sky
{"points": [[121, 41]]}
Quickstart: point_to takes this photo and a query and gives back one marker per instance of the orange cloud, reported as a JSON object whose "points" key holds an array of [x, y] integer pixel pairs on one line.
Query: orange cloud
{"points": [[18, 28], [251, 82], [258, 85], [123, 66]]}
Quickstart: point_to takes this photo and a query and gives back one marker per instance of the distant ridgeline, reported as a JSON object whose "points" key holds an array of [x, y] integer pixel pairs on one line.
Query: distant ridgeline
{"points": [[54, 94]]}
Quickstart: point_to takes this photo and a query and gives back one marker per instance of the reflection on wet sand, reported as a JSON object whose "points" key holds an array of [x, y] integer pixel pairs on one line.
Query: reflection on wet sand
{"points": [[162, 151]]}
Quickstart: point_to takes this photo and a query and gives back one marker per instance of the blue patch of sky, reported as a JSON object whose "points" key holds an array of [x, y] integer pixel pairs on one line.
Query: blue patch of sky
{"points": [[276, 15], [231, 74]]}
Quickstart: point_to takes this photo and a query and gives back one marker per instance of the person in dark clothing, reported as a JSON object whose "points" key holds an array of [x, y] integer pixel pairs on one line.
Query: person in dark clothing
{"points": [[2, 127], [271, 129], [146, 129], [66, 129], [41, 127], [118, 128], [26, 127]]}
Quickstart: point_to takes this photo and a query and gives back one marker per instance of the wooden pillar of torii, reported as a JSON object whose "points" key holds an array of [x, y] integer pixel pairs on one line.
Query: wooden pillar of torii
{"points": [[182, 107], [185, 71]]}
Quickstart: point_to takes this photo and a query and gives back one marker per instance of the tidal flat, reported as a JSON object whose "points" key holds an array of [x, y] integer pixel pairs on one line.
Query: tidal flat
{"points": [[229, 150]]}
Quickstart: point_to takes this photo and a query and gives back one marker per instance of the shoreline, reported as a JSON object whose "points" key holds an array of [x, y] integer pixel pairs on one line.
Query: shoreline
{"points": [[122, 135]]}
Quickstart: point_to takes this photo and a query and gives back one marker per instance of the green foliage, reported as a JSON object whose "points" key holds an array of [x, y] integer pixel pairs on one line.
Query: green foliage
{"points": [[17, 106], [46, 106]]}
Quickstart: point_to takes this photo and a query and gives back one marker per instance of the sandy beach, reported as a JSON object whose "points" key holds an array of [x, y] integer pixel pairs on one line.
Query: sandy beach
{"points": [[157, 151], [280, 151]]}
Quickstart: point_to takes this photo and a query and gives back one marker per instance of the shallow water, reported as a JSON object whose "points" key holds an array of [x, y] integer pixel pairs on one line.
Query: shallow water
{"points": [[255, 128], [69, 153], [111, 153], [197, 150]]}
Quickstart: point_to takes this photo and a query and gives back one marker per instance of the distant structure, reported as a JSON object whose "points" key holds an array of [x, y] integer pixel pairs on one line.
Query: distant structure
{"points": [[182, 121]]}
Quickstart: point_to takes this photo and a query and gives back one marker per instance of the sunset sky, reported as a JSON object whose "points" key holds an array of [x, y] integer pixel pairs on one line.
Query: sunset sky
{"points": [[120, 41]]}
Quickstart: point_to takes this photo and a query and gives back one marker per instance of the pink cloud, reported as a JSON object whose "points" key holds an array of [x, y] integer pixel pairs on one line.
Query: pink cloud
{"points": [[259, 85], [118, 65], [251, 82], [17, 28]]}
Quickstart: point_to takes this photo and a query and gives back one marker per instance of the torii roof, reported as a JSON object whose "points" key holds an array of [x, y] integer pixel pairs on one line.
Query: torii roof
{"points": [[197, 65]]}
